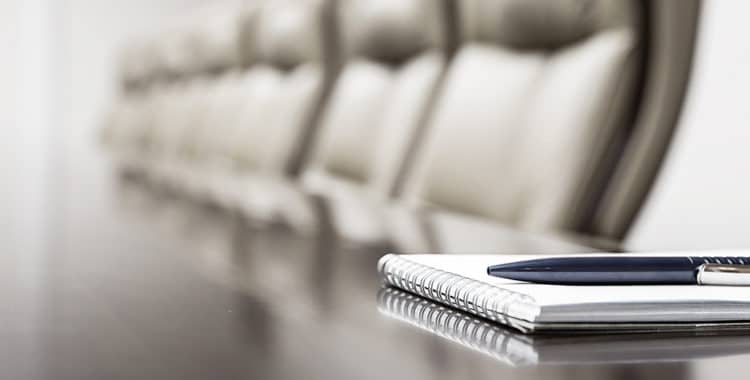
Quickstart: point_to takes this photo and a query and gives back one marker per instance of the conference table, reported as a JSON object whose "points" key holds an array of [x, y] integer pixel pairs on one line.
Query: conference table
{"points": [[159, 286]]}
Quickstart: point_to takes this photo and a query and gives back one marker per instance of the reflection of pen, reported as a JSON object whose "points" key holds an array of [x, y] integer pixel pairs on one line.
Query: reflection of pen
{"points": [[629, 270]]}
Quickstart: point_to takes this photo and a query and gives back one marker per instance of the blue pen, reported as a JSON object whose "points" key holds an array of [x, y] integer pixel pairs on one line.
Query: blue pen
{"points": [[629, 270]]}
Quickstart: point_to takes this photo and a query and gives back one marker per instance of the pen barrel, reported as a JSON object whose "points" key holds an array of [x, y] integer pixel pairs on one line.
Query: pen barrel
{"points": [[629, 270], [605, 270]]}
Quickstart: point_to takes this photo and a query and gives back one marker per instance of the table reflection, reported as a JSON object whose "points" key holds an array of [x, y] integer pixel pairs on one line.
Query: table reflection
{"points": [[514, 348], [304, 306]]}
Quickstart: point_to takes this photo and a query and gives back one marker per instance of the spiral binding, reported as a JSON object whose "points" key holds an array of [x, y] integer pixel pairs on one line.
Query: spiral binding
{"points": [[463, 293], [456, 327], [726, 260]]}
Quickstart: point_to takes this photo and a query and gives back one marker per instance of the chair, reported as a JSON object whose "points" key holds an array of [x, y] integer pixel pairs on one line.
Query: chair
{"points": [[271, 116], [396, 52], [671, 40], [203, 114], [155, 76], [532, 112], [125, 124]]}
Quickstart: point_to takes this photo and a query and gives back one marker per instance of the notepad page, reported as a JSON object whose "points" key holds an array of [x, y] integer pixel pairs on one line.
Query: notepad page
{"points": [[641, 303]]}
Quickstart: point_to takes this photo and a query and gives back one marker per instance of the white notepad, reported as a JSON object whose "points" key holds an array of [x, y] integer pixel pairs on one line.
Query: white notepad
{"points": [[461, 281]]}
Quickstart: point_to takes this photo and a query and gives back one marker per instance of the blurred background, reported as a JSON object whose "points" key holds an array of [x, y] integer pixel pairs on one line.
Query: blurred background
{"points": [[61, 73], [505, 111]]}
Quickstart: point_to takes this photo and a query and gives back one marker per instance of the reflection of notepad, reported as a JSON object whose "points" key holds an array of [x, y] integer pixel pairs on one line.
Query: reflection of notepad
{"points": [[461, 281], [517, 349]]}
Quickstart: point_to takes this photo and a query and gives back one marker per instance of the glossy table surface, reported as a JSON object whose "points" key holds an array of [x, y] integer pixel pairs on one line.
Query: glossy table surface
{"points": [[157, 287]]}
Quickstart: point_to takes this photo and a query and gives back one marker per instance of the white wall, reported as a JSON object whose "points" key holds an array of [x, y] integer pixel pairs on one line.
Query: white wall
{"points": [[9, 36], [93, 33], [25, 114], [702, 199], [57, 74]]}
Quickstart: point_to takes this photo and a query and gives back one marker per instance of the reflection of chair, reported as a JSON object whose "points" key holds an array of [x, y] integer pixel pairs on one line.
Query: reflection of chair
{"points": [[528, 121], [396, 54]]}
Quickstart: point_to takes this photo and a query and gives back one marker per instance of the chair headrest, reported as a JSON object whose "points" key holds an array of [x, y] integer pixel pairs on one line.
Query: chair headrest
{"points": [[212, 38], [135, 63], [390, 30], [288, 33], [542, 24]]}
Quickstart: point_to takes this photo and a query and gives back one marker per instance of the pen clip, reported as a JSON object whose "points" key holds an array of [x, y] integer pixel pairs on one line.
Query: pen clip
{"points": [[723, 274]]}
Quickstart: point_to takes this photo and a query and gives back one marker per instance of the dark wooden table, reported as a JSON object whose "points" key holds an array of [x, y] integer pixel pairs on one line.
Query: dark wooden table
{"points": [[163, 288]]}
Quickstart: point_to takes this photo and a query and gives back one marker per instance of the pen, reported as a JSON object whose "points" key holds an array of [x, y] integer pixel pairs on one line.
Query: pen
{"points": [[629, 270]]}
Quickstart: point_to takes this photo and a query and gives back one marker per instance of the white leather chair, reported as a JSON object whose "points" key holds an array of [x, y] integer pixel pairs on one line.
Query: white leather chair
{"points": [[134, 67], [396, 53], [672, 27], [125, 123], [198, 64], [260, 134], [536, 95], [186, 130], [156, 75], [209, 38]]}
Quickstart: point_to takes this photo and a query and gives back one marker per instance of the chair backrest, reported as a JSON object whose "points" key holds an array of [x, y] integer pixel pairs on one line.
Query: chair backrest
{"points": [[201, 42], [532, 104], [156, 72], [672, 27], [133, 67], [286, 54], [395, 54]]}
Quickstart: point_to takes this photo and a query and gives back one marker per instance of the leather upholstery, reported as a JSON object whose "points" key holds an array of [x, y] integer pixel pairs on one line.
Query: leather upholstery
{"points": [[396, 58], [541, 24], [528, 109], [671, 45], [390, 30], [258, 125], [289, 34], [212, 38], [133, 66], [395, 61], [541, 114], [289, 52]]}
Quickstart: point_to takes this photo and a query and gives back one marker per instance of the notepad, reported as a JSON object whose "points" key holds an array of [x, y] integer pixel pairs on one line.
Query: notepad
{"points": [[461, 281]]}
